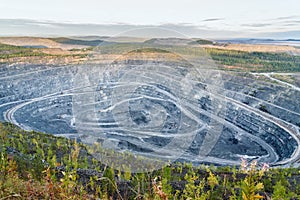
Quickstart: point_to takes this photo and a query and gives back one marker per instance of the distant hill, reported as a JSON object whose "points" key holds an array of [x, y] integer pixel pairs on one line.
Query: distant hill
{"points": [[202, 41], [290, 42], [38, 42], [35, 46], [64, 40], [168, 41]]}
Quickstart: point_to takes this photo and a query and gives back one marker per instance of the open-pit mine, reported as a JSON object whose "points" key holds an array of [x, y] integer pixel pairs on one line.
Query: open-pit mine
{"points": [[158, 103]]}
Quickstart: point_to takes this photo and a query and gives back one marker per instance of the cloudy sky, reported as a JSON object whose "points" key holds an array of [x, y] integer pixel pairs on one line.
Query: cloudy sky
{"points": [[207, 18]]}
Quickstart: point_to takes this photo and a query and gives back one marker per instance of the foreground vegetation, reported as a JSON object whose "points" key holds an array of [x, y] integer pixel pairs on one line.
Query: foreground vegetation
{"points": [[40, 166]]}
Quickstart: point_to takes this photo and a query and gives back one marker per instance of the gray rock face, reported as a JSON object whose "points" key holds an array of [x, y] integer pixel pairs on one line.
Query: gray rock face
{"points": [[156, 116]]}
